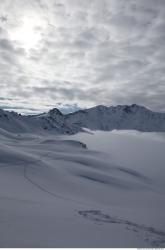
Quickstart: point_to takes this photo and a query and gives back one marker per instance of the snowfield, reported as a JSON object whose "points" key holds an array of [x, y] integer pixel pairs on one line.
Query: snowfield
{"points": [[56, 192]]}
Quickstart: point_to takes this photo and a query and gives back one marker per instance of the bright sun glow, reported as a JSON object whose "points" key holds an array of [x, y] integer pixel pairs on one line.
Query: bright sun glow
{"points": [[28, 33]]}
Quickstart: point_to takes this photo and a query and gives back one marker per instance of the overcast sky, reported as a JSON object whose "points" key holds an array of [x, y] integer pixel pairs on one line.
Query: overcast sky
{"points": [[80, 53]]}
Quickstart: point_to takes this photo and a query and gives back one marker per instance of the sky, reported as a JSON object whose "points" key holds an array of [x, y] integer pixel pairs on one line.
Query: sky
{"points": [[73, 54]]}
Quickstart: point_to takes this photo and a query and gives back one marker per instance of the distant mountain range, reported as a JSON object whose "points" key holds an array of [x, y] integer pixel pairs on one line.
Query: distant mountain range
{"points": [[121, 117]]}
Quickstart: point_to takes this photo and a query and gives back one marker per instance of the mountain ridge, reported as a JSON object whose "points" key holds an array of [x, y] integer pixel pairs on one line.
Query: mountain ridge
{"points": [[133, 117]]}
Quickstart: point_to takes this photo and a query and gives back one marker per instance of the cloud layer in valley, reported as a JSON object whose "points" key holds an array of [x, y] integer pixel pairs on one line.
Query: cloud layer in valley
{"points": [[73, 53]]}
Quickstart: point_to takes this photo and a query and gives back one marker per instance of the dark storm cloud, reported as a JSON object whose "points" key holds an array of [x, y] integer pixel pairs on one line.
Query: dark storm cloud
{"points": [[89, 52]]}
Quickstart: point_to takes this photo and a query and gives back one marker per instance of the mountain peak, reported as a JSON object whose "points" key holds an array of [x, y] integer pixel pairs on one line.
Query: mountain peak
{"points": [[133, 108], [55, 111]]}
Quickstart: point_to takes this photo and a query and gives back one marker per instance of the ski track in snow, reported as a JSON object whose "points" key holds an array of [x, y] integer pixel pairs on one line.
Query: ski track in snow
{"points": [[43, 189]]}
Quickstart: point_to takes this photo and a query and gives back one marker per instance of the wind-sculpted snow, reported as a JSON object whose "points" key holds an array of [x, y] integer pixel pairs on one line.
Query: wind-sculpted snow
{"points": [[49, 183], [96, 118]]}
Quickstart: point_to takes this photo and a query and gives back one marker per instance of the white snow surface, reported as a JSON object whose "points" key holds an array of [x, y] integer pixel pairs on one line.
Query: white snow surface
{"points": [[55, 192]]}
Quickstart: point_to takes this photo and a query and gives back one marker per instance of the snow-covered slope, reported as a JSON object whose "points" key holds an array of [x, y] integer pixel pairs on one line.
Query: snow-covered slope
{"points": [[96, 118], [54, 192]]}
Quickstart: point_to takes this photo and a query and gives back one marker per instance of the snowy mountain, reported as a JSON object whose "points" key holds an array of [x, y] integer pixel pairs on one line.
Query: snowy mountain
{"points": [[104, 118], [119, 117], [51, 121]]}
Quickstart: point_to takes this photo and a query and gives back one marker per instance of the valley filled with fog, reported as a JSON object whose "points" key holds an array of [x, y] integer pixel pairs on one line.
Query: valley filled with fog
{"points": [[141, 151]]}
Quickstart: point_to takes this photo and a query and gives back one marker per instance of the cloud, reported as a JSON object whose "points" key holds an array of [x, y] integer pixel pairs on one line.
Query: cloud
{"points": [[83, 53]]}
